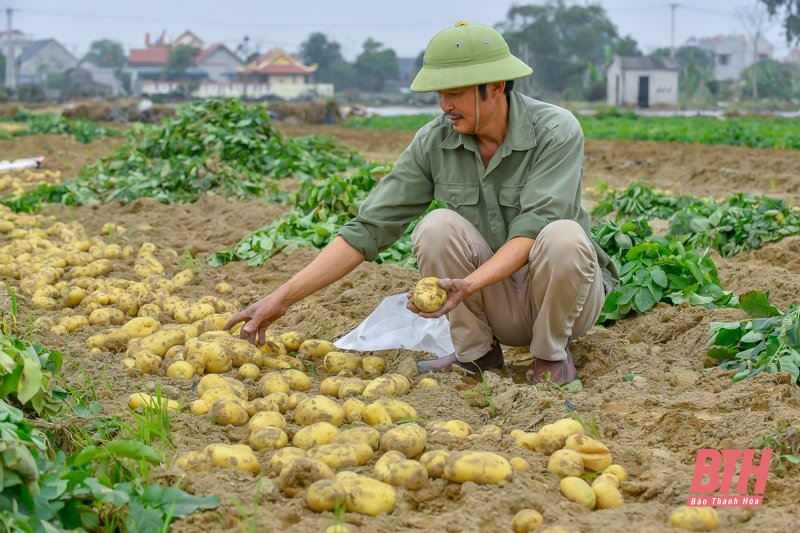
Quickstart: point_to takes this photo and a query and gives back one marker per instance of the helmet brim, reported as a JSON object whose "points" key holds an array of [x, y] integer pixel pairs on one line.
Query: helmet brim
{"points": [[439, 79]]}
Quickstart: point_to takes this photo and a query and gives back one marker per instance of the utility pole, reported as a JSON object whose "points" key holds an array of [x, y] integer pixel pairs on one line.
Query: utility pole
{"points": [[672, 8], [10, 76]]}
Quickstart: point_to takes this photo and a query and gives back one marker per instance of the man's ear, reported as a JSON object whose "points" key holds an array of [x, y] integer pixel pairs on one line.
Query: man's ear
{"points": [[498, 88]]}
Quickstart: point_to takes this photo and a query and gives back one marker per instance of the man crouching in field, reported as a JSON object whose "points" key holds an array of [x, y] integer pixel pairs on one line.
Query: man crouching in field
{"points": [[512, 249]]}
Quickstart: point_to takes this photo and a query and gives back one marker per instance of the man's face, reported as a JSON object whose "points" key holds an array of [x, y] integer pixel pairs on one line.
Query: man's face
{"points": [[459, 105]]}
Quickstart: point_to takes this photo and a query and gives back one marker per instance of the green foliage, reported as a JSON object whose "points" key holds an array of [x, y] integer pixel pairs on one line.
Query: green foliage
{"points": [[179, 59], [331, 65], [374, 65], [774, 79], [27, 376], [696, 69], [757, 132], [106, 53], [768, 341], [84, 131], [320, 209], [789, 10], [784, 443], [639, 200], [221, 145], [655, 269], [742, 222]]}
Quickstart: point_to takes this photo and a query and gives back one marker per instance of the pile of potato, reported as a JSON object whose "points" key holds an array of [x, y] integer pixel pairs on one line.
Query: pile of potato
{"points": [[15, 182]]}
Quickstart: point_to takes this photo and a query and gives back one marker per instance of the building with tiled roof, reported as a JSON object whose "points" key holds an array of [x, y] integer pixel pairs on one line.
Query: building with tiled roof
{"points": [[279, 66]]}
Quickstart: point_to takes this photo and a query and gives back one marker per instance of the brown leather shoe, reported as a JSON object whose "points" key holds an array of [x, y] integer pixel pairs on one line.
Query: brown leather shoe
{"points": [[561, 372], [492, 360]]}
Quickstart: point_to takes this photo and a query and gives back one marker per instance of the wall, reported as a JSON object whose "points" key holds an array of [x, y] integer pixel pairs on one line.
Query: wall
{"points": [[218, 64], [51, 59], [663, 86], [240, 89]]}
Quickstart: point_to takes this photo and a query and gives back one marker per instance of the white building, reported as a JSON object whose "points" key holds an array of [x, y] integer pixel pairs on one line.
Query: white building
{"points": [[642, 82], [732, 53]]}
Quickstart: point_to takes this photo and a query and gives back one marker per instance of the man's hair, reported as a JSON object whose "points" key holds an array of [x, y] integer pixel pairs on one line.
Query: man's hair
{"points": [[485, 94]]}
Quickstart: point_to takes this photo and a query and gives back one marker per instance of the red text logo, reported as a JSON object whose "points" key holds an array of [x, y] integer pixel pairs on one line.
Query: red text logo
{"points": [[714, 470]]}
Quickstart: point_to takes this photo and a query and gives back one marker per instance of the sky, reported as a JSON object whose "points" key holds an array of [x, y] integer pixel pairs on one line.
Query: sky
{"points": [[404, 25]]}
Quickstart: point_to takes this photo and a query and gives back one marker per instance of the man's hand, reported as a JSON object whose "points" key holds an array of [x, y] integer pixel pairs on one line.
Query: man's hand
{"points": [[457, 290], [259, 315]]}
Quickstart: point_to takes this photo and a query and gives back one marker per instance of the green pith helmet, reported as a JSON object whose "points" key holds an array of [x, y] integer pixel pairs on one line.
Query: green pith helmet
{"points": [[468, 54]]}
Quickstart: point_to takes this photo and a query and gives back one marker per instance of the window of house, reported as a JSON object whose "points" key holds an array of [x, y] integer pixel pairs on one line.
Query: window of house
{"points": [[724, 59]]}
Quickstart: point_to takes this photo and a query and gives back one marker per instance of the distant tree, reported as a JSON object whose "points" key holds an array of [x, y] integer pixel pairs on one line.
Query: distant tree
{"points": [[627, 46], [106, 53], [780, 81], [789, 10], [560, 40], [376, 64], [696, 68], [179, 60], [327, 55]]}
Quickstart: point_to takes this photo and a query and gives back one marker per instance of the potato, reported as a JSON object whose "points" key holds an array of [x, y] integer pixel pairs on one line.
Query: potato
{"points": [[277, 401], [617, 471], [314, 435], [272, 382], [128, 365], [268, 437], [180, 370], [194, 462], [552, 437], [262, 419], [212, 381], [318, 409], [695, 518], [325, 495], [74, 322], [519, 464], [106, 317], [350, 387], [296, 379], [222, 288], [283, 457], [342, 454], [478, 467], [365, 495], [401, 383], [566, 463], [184, 277], [148, 362], [187, 315], [150, 310], [199, 407], [227, 412], [315, 348], [301, 473], [376, 414], [240, 351], [353, 410], [295, 398], [212, 395], [408, 439], [578, 491], [606, 492], [373, 366], [594, 453], [335, 362], [427, 383], [458, 428], [330, 385], [393, 468], [217, 360], [235, 457], [364, 434], [434, 462], [292, 340], [73, 296], [428, 295], [249, 371], [48, 304], [162, 340], [387, 385], [116, 341], [141, 399], [526, 521]]}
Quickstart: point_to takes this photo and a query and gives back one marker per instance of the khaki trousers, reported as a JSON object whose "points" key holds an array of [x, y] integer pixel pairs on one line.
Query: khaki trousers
{"points": [[556, 298]]}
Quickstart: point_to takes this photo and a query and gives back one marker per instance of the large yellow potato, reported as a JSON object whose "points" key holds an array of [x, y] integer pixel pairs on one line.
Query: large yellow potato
{"points": [[263, 419], [335, 362], [148, 362], [315, 348], [235, 457], [594, 453], [106, 317], [162, 340], [268, 437], [240, 351], [314, 435], [365, 434], [577, 490], [408, 439], [366, 495], [301, 473], [398, 410], [187, 315], [73, 296], [526, 521], [194, 462], [342, 454], [617, 471], [428, 295], [427, 383], [519, 464], [276, 401], [330, 385], [292, 340], [229, 412], [353, 409], [180, 370], [606, 492], [184, 277], [217, 359], [373, 366], [295, 398], [114, 340], [296, 379], [272, 382], [283, 457], [325, 495], [434, 462], [552, 437], [375, 414], [393, 468], [141, 399], [695, 518], [249, 371], [199, 407], [318, 409], [350, 387], [566, 463], [478, 467]]}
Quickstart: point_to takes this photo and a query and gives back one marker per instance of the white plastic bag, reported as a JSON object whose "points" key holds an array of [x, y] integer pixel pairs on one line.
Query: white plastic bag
{"points": [[391, 325]]}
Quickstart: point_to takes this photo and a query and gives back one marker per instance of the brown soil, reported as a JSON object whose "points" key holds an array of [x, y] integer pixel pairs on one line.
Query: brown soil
{"points": [[653, 425]]}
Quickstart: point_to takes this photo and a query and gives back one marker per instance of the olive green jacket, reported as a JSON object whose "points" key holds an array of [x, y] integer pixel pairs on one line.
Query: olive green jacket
{"points": [[533, 179]]}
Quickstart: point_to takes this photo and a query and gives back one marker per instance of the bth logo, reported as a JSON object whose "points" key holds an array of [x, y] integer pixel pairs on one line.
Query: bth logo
{"points": [[716, 492]]}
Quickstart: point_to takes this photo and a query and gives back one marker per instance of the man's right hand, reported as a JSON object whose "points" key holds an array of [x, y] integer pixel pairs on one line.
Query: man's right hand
{"points": [[259, 316]]}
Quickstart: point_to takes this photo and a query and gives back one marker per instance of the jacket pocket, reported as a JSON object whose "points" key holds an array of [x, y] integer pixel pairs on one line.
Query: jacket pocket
{"points": [[510, 195], [457, 195]]}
